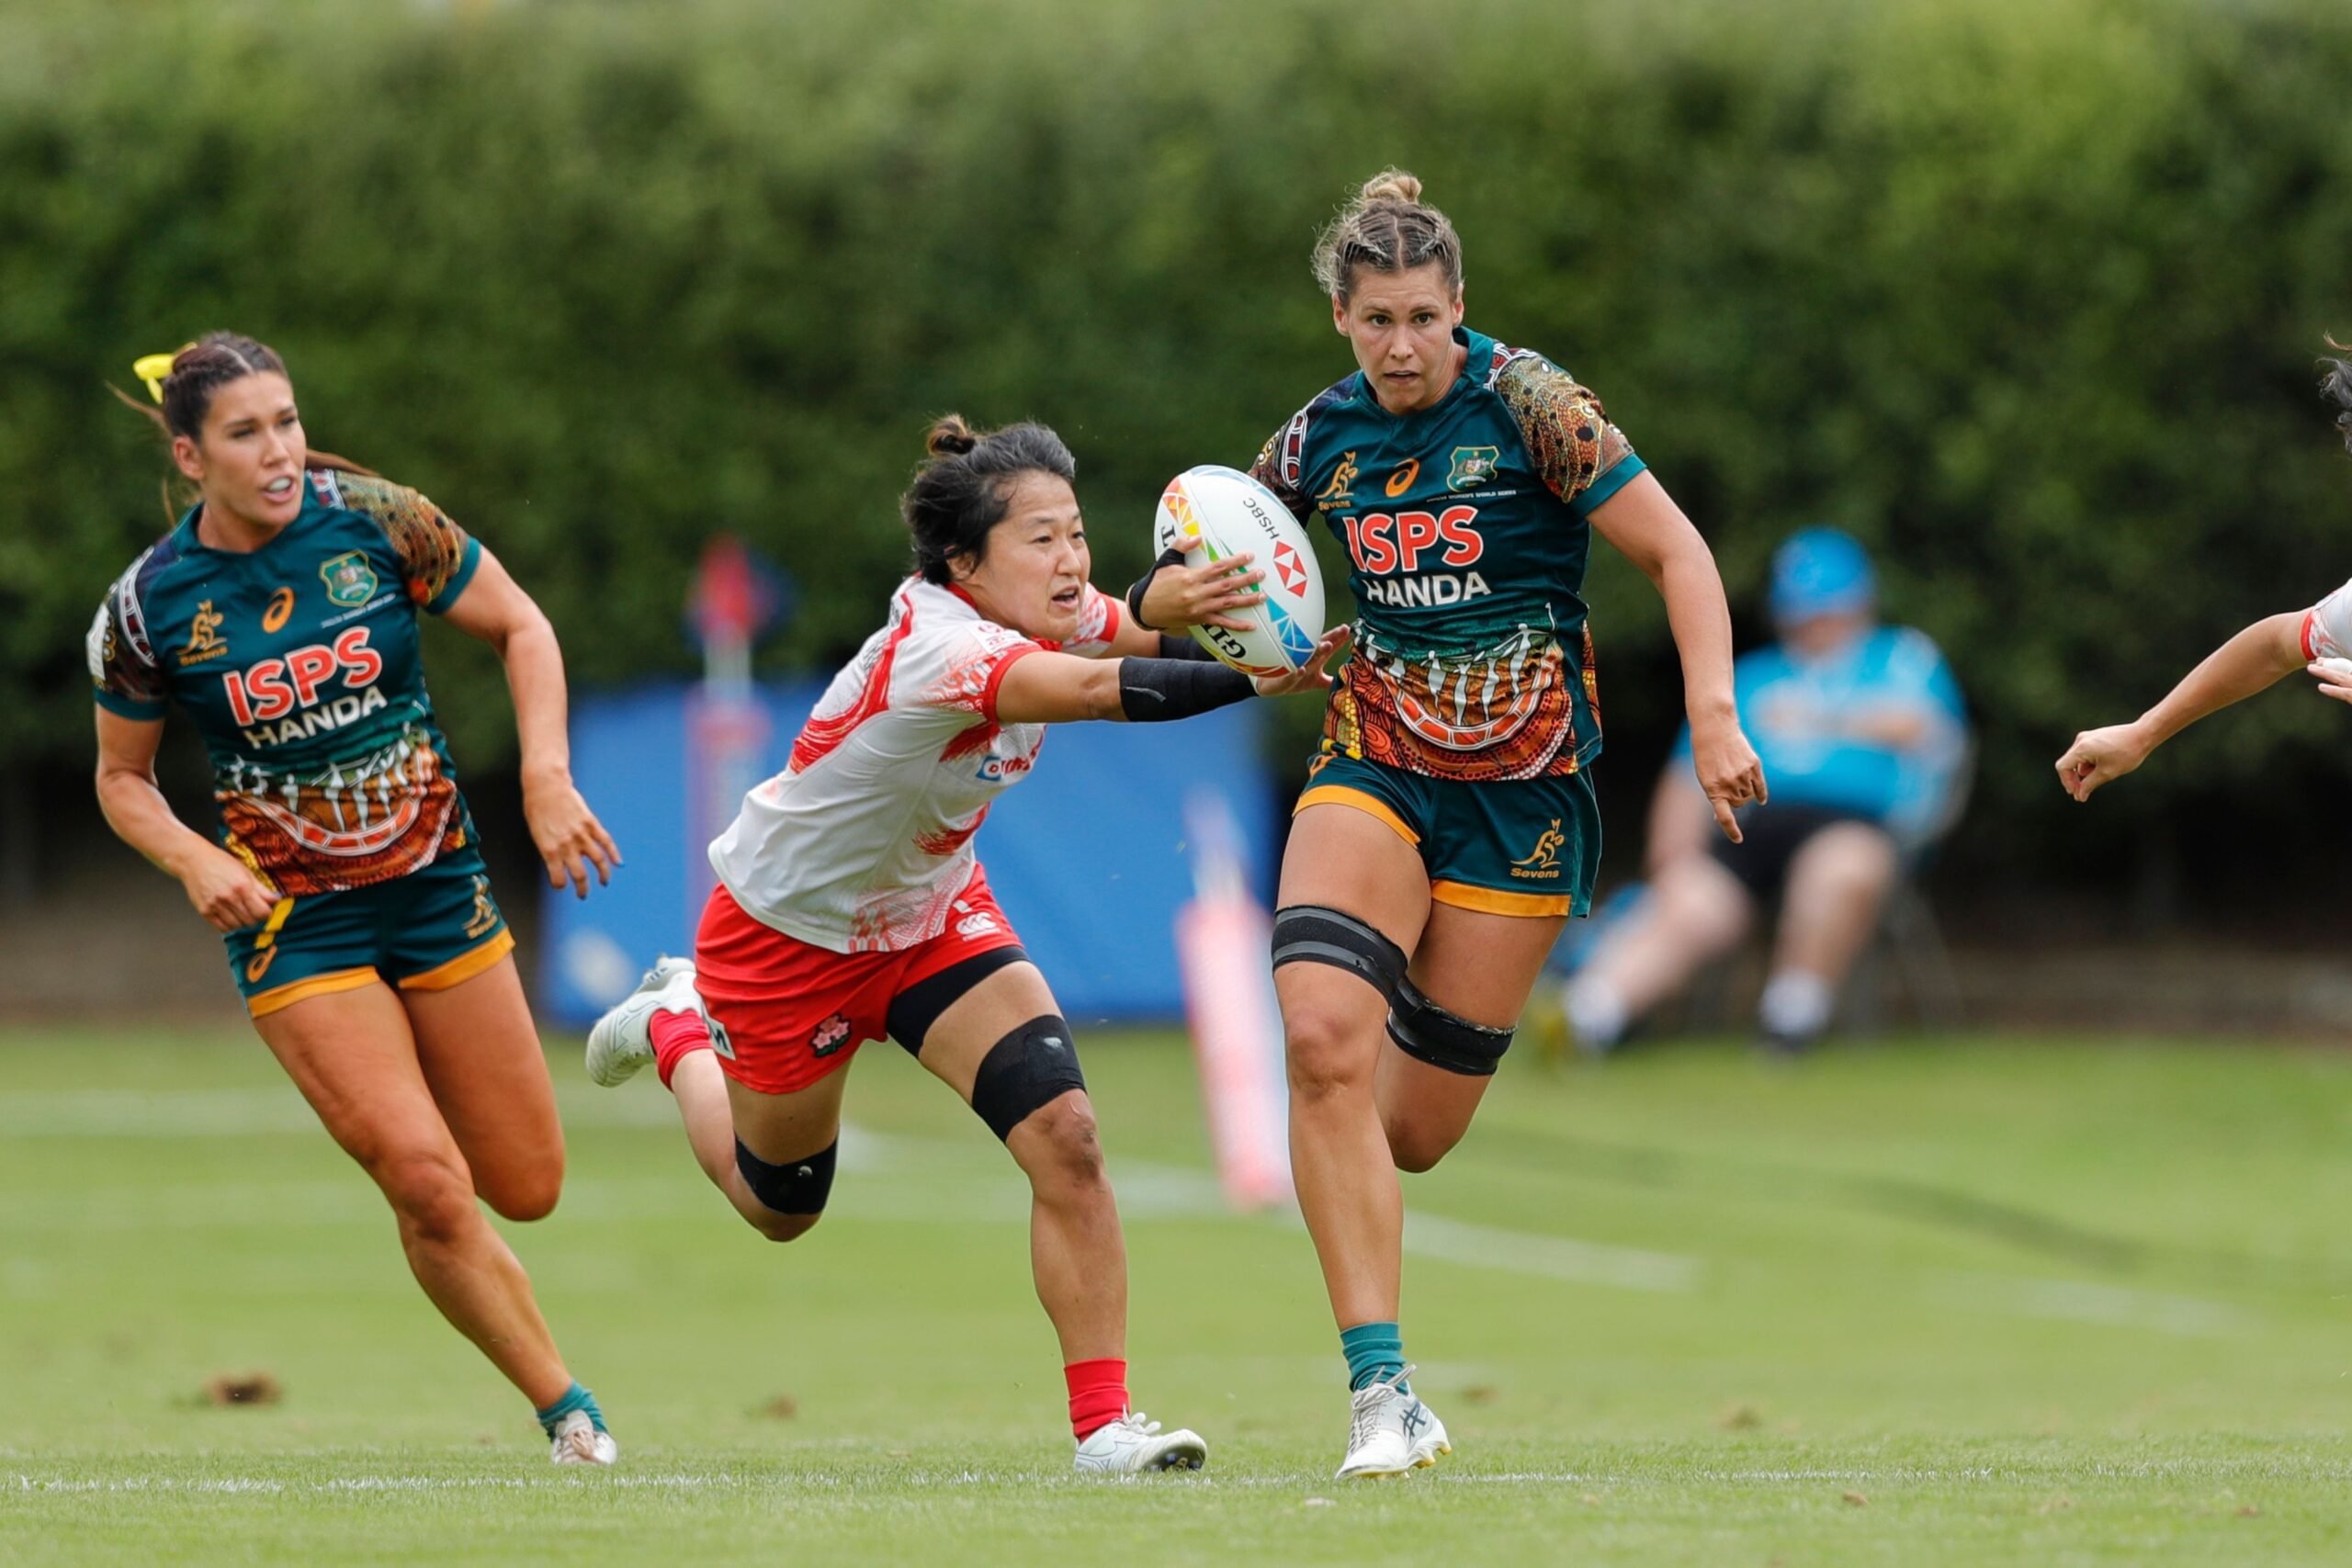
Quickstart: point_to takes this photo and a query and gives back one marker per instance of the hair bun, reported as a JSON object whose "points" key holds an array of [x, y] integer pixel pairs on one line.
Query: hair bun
{"points": [[1391, 184], [949, 436]]}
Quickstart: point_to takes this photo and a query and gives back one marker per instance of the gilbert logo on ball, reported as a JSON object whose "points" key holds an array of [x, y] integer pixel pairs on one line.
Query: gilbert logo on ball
{"points": [[1213, 514]]}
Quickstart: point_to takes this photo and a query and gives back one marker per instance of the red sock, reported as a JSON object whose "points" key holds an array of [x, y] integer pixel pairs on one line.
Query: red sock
{"points": [[675, 1034], [1097, 1394]]}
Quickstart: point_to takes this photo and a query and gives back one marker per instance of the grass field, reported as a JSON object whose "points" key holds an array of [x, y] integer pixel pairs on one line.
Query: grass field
{"points": [[2015, 1300]]}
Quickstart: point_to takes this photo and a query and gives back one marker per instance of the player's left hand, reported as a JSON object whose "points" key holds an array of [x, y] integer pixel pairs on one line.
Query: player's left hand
{"points": [[1310, 676], [1729, 772], [1210, 594], [2100, 757], [2335, 676], [569, 838]]}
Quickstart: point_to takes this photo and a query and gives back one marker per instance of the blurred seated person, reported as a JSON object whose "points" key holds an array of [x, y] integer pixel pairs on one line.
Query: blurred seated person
{"points": [[1862, 735]]}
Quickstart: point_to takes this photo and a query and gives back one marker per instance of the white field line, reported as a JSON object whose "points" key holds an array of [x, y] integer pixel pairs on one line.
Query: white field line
{"points": [[1548, 1257], [834, 1479], [249, 1112], [2084, 1300], [980, 1191]]}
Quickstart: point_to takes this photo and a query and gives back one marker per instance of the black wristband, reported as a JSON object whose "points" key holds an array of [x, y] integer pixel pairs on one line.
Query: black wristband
{"points": [[1173, 646], [1152, 691], [1169, 557]]}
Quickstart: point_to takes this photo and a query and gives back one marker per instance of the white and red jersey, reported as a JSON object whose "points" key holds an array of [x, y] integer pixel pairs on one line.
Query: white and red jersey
{"points": [[2328, 626], [865, 840]]}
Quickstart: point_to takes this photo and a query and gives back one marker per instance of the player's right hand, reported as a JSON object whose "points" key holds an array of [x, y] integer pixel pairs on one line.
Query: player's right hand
{"points": [[1730, 773], [226, 891], [1202, 595], [2100, 757]]}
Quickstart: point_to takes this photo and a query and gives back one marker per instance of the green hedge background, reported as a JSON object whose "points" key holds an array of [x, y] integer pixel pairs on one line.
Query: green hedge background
{"points": [[2027, 293]]}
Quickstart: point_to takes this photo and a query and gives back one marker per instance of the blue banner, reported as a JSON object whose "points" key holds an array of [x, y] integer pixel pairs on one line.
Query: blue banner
{"points": [[1086, 855]]}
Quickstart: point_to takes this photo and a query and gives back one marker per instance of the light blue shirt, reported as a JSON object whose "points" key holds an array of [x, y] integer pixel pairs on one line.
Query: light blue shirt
{"points": [[1795, 711]]}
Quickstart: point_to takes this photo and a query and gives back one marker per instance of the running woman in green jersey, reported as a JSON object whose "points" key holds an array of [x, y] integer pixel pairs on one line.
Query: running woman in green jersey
{"points": [[1449, 827], [282, 614]]}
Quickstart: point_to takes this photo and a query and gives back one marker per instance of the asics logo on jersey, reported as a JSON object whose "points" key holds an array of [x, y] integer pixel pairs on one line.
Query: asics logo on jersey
{"points": [[1402, 480], [271, 689], [280, 609]]}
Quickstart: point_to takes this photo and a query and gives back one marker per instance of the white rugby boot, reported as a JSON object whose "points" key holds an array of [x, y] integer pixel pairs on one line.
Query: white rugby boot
{"points": [[1391, 1431], [1135, 1444], [579, 1440], [622, 1041]]}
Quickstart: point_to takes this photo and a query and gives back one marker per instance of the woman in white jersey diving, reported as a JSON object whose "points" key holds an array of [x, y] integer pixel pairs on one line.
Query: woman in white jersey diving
{"points": [[850, 905]]}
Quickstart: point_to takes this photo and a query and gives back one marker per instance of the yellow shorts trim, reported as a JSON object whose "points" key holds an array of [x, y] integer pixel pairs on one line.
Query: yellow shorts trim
{"points": [[263, 1003], [463, 967], [1341, 795], [1494, 901]]}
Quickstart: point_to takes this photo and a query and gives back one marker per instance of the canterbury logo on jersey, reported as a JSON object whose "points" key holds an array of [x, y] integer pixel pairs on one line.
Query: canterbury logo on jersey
{"points": [[271, 689]]}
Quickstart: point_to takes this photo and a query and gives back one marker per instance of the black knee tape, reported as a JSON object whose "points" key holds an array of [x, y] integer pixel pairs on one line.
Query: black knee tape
{"points": [[1032, 1066], [798, 1187], [916, 1008], [1309, 934], [1427, 1033]]}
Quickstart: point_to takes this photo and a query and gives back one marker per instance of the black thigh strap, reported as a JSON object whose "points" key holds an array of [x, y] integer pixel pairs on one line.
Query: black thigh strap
{"points": [[1310, 933], [1428, 1032], [913, 1010], [796, 1187], [1025, 1071]]}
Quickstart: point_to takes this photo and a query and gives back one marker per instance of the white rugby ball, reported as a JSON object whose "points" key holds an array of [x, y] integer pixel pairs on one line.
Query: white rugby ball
{"points": [[1211, 513]]}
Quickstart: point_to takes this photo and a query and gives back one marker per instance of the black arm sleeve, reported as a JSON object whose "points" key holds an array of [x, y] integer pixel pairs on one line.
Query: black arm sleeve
{"points": [[1181, 648], [1168, 558], [1154, 690]]}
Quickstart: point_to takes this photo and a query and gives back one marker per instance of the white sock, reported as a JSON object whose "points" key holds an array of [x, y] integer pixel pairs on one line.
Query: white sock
{"points": [[1595, 1011], [1795, 1004]]}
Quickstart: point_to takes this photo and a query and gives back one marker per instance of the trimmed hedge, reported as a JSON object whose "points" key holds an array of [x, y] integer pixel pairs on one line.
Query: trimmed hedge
{"points": [[2027, 293]]}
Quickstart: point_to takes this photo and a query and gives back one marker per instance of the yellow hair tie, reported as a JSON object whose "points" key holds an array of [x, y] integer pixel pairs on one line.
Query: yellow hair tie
{"points": [[153, 367]]}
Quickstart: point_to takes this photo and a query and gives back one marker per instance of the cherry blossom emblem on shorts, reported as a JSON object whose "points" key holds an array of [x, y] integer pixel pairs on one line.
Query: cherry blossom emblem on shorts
{"points": [[829, 1036]]}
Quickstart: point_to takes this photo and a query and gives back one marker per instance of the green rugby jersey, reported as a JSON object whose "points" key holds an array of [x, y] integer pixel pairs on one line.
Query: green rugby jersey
{"points": [[1466, 524], [299, 662]]}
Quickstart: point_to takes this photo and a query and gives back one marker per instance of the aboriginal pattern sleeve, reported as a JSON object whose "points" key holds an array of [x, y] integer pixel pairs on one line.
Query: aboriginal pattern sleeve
{"points": [[1583, 458], [2328, 626], [125, 676], [438, 557], [1277, 467]]}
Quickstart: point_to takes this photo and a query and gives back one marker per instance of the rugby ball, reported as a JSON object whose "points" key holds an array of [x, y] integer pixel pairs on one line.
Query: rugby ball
{"points": [[1211, 513]]}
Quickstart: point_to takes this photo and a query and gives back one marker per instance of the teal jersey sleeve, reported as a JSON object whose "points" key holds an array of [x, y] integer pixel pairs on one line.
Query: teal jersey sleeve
{"points": [[1583, 458], [438, 558]]}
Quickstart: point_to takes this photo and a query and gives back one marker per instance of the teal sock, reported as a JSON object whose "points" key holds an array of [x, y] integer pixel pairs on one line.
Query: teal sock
{"points": [[1374, 1350], [574, 1398]]}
